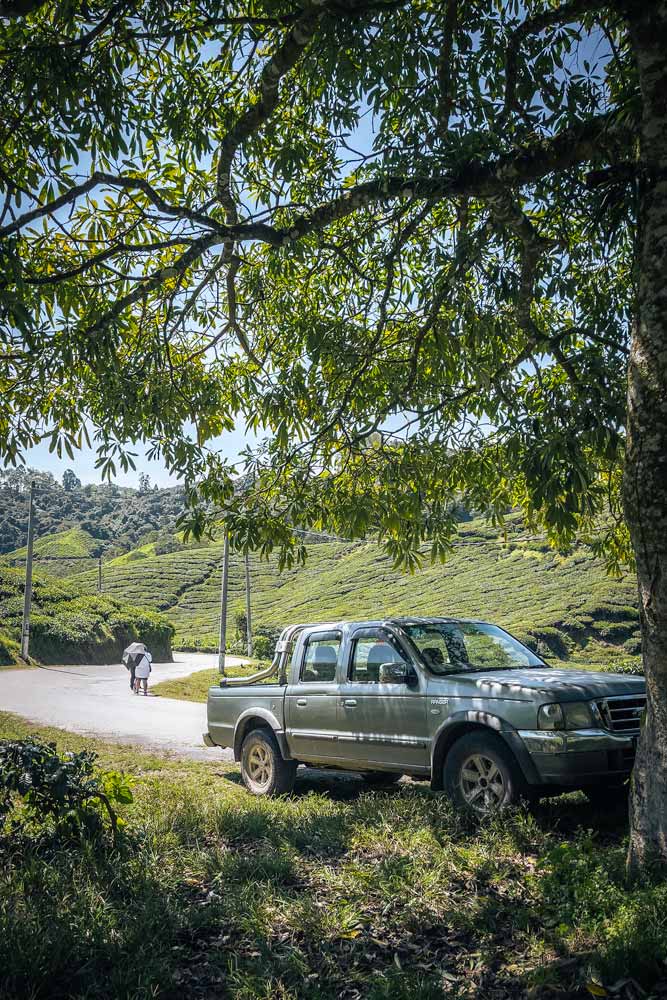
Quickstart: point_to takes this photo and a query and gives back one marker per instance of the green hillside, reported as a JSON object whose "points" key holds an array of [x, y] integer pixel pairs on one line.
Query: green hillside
{"points": [[68, 627], [60, 554], [115, 517], [565, 602]]}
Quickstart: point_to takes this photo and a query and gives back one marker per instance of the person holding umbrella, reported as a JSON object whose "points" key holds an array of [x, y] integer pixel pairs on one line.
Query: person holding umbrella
{"points": [[135, 652]]}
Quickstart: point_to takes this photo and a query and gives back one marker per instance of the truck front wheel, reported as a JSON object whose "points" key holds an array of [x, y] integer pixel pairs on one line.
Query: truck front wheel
{"points": [[480, 775], [263, 769]]}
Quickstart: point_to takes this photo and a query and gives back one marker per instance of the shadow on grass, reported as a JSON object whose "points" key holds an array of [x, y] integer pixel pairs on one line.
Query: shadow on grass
{"points": [[337, 892]]}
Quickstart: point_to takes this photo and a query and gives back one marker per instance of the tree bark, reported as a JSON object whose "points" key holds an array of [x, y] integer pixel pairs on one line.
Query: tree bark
{"points": [[645, 485]]}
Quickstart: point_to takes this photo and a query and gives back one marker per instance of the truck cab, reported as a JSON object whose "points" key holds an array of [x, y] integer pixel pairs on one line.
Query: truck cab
{"points": [[459, 701]]}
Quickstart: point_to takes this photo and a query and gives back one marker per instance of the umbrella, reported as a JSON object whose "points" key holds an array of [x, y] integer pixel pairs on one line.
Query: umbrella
{"points": [[134, 647]]}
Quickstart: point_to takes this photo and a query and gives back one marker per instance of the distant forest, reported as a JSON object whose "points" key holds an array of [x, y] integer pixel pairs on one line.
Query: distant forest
{"points": [[116, 516]]}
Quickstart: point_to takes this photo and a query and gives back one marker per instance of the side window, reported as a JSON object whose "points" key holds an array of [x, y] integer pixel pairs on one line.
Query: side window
{"points": [[368, 653], [321, 657]]}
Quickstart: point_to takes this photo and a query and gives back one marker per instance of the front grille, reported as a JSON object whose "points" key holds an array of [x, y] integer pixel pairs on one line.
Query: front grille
{"points": [[623, 714]]}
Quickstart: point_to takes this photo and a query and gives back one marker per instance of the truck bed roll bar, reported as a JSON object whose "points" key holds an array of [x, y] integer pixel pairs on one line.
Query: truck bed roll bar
{"points": [[278, 664]]}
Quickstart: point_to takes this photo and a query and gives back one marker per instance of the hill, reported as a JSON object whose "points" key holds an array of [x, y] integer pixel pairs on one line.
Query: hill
{"points": [[564, 603], [59, 554], [113, 519], [70, 627]]}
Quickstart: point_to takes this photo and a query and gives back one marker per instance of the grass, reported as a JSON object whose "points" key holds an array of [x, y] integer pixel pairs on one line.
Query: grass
{"points": [[195, 686], [565, 601], [334, 892]]}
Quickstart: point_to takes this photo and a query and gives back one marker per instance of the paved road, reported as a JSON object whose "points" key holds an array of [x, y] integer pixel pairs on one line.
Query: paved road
{"points": [[96, 700]]}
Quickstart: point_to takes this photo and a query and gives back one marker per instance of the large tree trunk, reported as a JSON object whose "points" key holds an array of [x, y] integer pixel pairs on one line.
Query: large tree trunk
{"points": [[645, 487]]}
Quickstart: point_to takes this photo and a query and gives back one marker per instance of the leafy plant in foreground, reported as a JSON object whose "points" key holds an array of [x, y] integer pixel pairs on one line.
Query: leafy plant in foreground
{"points": [[60, 788]]}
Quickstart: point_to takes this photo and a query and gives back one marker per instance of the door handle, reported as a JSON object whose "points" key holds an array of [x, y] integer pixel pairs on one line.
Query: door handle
{"points": [[349, 702], [301, 702]]}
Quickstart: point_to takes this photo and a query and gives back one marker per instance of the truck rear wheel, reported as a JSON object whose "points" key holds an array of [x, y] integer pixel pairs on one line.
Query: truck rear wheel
{"points": [[481, 776], [263, 769]]}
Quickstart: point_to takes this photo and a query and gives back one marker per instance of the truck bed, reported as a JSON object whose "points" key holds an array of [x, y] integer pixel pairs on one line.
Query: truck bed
{"points": [[226, 706]]}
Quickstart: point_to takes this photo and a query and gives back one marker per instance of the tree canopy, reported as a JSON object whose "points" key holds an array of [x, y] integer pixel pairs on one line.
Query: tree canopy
{"points": [[393, 238]]}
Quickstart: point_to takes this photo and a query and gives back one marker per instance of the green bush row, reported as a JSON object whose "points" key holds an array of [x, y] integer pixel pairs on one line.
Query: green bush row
{"points": [[67, 627]]}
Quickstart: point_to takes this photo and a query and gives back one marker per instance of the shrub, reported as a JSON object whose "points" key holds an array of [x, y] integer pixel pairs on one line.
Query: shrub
{"points": [[59, 790], [9, 651], [612, 631], [546, 641], [264, 641]]}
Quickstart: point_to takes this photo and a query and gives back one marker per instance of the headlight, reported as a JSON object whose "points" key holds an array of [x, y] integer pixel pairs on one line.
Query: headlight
{"points": [[568, 715], [551, 717]]}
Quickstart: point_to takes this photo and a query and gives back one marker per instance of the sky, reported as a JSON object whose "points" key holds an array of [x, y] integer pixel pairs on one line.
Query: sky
{"points": [[229, 445]]}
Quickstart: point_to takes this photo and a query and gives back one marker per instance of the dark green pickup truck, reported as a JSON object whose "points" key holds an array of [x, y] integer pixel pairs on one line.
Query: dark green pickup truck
{"points": [[460, 702]]}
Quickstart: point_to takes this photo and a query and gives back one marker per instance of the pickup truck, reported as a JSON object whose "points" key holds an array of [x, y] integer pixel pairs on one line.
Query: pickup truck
{"points": [[461, 702]]}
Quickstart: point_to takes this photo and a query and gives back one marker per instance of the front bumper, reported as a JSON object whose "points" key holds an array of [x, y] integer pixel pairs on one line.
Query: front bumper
{"points": [[579, 757]]}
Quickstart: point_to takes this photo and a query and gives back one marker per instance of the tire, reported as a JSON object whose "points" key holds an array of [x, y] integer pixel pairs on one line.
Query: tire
{"points": [[263, 769], [381, 779], [481, 776]]}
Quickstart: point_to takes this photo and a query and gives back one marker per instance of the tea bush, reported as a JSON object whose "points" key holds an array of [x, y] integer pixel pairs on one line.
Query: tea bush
{"points": [[563, 600], [70, 627]]}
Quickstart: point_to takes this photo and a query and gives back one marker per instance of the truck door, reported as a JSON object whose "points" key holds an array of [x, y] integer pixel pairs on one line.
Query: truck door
{"points": [[381, 723], [311, 700]]}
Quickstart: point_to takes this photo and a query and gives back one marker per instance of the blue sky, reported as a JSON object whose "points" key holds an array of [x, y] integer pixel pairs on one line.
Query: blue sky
{"points": [[83, 465]]}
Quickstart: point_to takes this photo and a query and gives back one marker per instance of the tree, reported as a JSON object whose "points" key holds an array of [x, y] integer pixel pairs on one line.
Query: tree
{"points": [[70, 480], [144, 483], [419, 245]]}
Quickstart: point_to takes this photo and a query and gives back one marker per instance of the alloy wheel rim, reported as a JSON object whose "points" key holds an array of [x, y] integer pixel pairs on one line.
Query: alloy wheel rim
{"points": [[482, 784], [260, 765]]}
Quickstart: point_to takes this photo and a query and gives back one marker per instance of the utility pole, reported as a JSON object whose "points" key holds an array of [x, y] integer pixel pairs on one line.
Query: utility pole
{"points": [[222, 645], [248, 617], [27, 594], [99, 574]]}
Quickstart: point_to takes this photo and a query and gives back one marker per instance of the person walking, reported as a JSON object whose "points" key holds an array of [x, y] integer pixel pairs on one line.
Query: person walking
{"points": [[142, 671], [131, 657]]}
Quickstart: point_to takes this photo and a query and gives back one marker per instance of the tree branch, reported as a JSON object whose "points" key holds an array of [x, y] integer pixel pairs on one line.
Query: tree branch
{"points": [[478, 178], [445, 69], [104, 255], [510, 215], [154, 281], [282, 61], [549, 18], [112, 180]]}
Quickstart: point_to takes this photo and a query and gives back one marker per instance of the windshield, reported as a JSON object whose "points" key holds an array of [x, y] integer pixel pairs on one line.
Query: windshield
{"points": [[456, 647]]}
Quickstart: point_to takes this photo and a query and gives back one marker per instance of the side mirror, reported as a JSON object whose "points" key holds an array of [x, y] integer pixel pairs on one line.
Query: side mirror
{"points": [[394, 673]]}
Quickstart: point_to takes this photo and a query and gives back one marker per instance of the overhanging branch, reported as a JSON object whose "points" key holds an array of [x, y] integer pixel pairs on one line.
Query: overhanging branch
{"points": [[98, 178], [587, 140], [550, 18]]}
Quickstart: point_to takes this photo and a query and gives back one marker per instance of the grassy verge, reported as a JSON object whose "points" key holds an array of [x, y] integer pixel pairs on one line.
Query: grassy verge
{"points": [[195, 686], [335, 892]]}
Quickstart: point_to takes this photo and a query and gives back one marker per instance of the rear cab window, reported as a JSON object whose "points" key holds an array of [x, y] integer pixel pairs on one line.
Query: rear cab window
{"points": [[320, 658]]}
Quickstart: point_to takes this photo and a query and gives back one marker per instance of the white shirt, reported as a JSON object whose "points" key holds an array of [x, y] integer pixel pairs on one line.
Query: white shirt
{"points": [[143, 667]]}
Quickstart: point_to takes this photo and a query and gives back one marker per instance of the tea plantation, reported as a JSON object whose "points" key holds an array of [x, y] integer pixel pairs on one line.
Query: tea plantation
{"points": [[67, 627], [564, 603]]}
